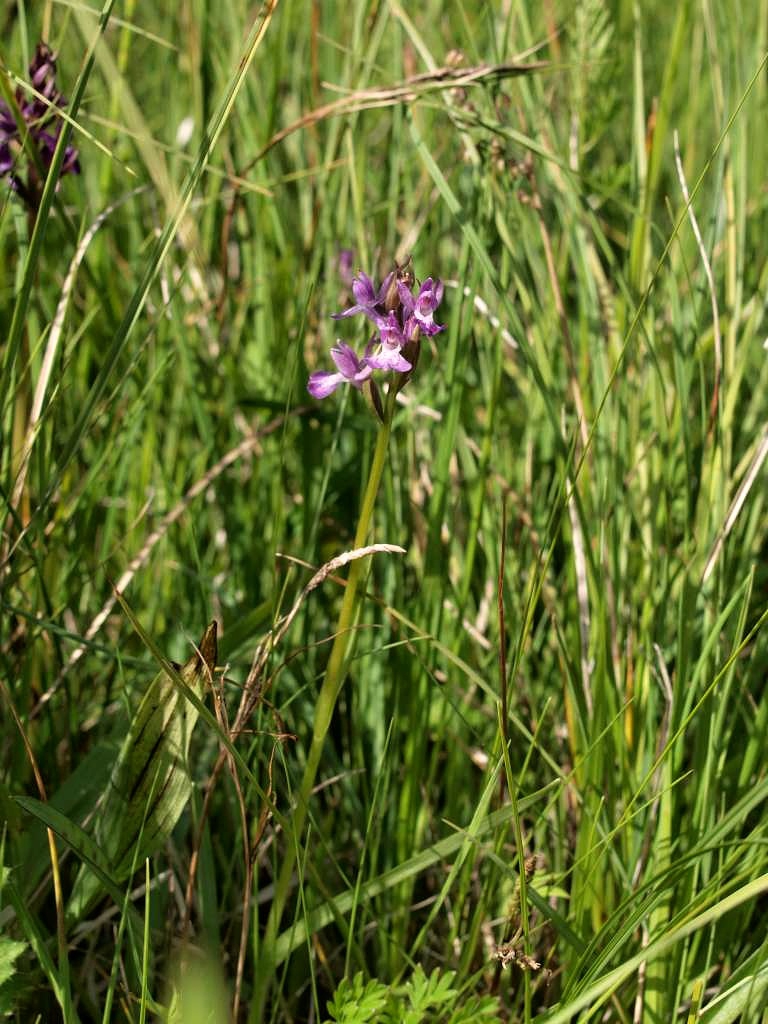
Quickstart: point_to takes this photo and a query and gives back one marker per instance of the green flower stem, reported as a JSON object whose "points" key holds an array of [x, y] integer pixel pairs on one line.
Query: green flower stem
{"points": [[335, 674]]}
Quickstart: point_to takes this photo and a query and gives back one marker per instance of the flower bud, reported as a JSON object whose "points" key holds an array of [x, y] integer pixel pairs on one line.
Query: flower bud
{"points": [[392, 296]]}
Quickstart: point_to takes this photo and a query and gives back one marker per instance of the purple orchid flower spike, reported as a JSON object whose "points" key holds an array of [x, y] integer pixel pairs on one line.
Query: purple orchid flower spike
{"points": [[421, 309], [351, 370], [366, 296], [400, 319]]}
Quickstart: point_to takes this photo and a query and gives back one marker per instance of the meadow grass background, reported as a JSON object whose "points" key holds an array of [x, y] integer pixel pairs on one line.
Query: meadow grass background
{"points": [[578, 783]]}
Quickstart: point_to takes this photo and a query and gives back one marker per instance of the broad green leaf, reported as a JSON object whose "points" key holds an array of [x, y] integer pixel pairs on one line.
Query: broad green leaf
{"points": [[150, 784], [72, 802], [75, 837]]}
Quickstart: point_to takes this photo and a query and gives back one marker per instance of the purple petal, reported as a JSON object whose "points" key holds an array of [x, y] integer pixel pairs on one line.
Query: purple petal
{"points": [[42, 72], [363, 290], [346, 360], [424, 324], [389, 359], [382, 292], [427, 325], [429, 297], [405, 296], [46, 143], [390, 330], [323, 383], [43, 64], [351, 370], [71, 164], [348, 312], [367, 298]]}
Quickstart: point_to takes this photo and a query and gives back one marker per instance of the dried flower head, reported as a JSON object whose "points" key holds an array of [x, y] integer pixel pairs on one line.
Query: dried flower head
{"points": [[511, 953]]}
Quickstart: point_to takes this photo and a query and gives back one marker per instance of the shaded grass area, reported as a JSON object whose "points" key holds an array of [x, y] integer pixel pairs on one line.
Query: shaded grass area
{"points": [[562, 804]]}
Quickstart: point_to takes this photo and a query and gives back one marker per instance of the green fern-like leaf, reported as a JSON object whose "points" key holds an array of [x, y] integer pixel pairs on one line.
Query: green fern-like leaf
{"points": [[356, 1002], [421, 1000], [425, 993], [10, 951]]}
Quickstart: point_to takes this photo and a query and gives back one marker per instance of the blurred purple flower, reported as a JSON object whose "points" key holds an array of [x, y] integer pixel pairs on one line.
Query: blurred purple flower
{"points": [[40, 121], [351, 370], [346, 256]]}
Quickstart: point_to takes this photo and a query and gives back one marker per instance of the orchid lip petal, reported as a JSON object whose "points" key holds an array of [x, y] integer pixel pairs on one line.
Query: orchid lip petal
{"points": [[390, 359], [390, 331], [322, 383]]}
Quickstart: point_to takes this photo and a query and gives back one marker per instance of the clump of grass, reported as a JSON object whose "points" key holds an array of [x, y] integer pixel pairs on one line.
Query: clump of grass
{"points": [[540, 788]]}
